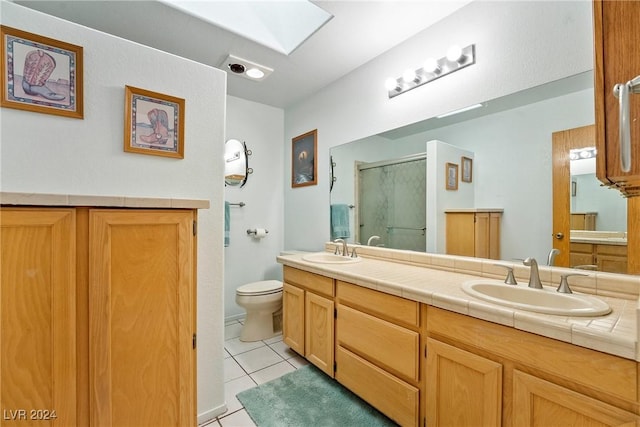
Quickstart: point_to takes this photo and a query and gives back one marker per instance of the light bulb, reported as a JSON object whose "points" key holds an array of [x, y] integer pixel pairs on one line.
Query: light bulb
{"points": [[391, 84], [431, 65], [255, 73], [454, 53], [409, 75]]}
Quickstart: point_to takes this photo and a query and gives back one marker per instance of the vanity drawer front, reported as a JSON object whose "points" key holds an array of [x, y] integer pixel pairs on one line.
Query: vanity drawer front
{"points": [[390, 395], [619, 250], [584, 248], [380, 304], [390, 346], [310, 281]]}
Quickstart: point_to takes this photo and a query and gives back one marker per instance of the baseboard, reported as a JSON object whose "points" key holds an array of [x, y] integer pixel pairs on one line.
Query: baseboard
{"points": [[234, 318], [211, 414]]}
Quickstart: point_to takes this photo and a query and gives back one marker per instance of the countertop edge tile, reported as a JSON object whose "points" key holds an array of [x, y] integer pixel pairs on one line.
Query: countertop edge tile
{"points": [[104, 201]]}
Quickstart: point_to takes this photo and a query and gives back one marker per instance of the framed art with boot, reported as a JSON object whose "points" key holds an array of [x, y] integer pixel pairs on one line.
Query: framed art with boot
{"points": [[154, 123], [41, 74]]}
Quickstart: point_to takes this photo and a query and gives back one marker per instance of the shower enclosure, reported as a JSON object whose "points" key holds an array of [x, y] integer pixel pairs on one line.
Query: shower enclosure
{"points": [[392, 202]]}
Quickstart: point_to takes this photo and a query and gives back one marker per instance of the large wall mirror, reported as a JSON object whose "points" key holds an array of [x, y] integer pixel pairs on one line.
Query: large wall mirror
{"points": [[511, 142]]}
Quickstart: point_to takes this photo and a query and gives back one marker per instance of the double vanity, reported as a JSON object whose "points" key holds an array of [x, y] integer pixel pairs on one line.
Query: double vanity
{"points": [[442, 340]]}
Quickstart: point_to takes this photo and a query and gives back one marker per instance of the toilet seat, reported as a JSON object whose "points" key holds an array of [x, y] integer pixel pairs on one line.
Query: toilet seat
{"points": [[265, 287]]}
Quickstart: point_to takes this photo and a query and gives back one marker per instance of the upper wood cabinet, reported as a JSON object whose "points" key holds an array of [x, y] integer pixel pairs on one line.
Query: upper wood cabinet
{"points": [[617, 61]]}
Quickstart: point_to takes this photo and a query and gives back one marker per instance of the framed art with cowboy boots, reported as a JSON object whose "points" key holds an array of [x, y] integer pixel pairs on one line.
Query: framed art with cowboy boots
{"points": [[41, 74], [154, 123]]}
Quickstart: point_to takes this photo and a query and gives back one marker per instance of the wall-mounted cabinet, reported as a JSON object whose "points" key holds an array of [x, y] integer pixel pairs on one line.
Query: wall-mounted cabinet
{"points": [[473, 232], [617, 62], [92, 299]]}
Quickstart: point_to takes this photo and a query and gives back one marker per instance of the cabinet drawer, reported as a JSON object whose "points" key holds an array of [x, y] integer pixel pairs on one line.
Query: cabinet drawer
{"points": [[378, 303], [390, 395], [310, 281], [619, 250], [585, 248], [392, 347]]}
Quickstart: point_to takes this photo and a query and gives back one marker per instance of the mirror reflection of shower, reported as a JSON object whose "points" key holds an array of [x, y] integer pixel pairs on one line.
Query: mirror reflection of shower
{"points": [[391, 202]]}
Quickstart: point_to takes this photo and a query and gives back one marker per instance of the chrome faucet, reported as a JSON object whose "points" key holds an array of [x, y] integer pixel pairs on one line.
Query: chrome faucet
{"points": [[551, 259], [534, 276], [372, 239], [345, 249]]}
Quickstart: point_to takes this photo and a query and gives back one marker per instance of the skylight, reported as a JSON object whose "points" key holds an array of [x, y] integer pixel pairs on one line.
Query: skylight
{"points": [[278, 25]]}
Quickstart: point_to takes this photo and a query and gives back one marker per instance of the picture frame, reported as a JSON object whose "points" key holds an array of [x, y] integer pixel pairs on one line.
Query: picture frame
{"points": [[154, 123], [451, 176], [574, 188], [467, 169], [41, 74], [304, 152]]}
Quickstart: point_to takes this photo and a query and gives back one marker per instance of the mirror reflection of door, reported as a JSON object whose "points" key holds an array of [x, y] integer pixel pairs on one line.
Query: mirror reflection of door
{"points": [[584, 212]]}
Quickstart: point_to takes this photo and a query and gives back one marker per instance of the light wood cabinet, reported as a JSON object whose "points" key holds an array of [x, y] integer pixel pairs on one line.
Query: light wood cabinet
{"points": [[141, 318], [38, 324], [308, 317], [474, 234], [583, 221], [543, 381], [98, 315], [462, 389], [544, 403], [601, 257], [378, 350], [617, 61]]}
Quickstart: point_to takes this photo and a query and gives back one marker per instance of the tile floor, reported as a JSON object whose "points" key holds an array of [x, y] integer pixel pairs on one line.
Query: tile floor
{"points": [[248, 364]]}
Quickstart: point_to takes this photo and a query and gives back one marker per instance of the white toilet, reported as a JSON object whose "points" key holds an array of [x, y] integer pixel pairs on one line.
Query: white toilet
{"points": [[263, 304]]}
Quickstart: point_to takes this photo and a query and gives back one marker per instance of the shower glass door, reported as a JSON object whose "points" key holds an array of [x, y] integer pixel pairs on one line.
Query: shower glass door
{"points": [[392, 202]]}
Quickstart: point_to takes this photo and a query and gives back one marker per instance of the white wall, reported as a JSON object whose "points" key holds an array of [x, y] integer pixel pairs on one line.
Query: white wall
{"points": [[519, 45], [248, 259], [439, 198], [43, 153]]}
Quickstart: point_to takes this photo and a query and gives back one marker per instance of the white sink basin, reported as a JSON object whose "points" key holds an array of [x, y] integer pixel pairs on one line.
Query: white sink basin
{"points": [[329, 258], [546, 301]]}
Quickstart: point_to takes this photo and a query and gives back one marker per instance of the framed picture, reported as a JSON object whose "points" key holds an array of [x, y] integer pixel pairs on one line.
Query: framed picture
{"points": [[574, 188], [467, 169], [40, 74], [451, 177], [304, 150], [154, 123]]}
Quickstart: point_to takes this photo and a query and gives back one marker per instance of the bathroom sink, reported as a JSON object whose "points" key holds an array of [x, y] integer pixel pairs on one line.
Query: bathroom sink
{"points": [[546, 300], [329, 258]]}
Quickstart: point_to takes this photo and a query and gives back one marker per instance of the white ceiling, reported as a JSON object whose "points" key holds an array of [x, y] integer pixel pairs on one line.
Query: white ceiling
{"points": [[358, 32]]}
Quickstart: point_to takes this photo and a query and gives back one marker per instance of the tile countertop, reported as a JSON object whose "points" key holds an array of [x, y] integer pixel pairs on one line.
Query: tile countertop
{"points": [[40, 199], [440, 286]]}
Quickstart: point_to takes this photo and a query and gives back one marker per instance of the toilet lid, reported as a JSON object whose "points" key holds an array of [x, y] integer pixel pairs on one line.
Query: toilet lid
{"points": [[265, 287]]}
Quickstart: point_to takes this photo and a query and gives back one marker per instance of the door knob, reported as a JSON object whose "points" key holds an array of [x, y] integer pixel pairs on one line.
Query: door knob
{"points": [[559, 236]]}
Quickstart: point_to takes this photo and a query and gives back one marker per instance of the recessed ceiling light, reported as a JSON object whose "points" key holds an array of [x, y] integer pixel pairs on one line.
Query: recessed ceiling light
{"points": [[245, 68], [255, 73]]}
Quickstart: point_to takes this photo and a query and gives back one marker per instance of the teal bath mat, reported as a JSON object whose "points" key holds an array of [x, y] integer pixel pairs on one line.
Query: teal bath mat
{"points": [[308, 398]]}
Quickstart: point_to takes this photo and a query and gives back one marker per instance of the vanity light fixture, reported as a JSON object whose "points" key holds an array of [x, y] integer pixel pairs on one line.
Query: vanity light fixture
{"points": [[432, 69], [583, 153]]}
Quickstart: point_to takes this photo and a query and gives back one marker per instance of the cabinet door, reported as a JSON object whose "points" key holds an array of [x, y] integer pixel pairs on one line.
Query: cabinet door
{"points": [[616, 61], [142, 318], [538, 402], [460, 234], [462, 388], [293, 317], [319, 332], [37, 317]]}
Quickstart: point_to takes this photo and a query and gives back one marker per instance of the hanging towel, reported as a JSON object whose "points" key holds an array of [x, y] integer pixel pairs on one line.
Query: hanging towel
{"points": [[227, 221], [339, 221]]}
